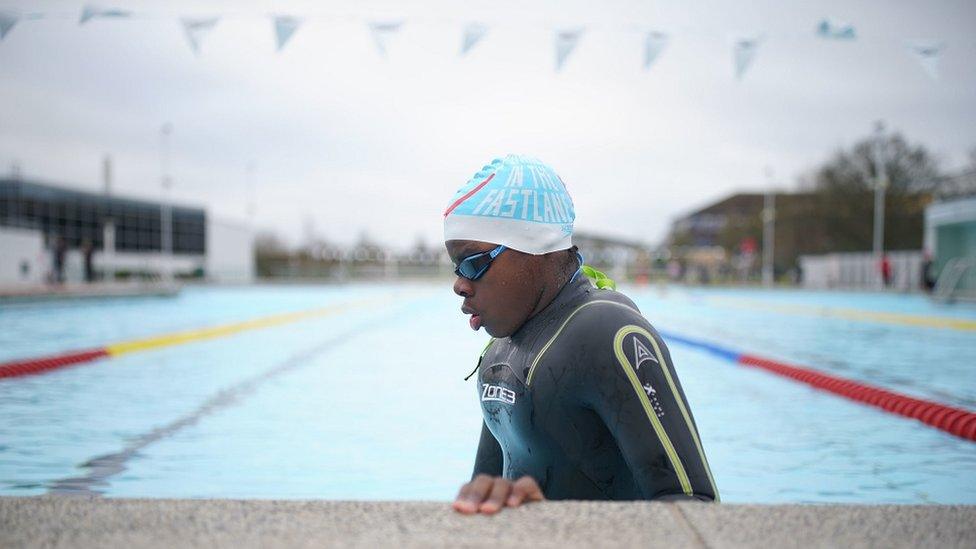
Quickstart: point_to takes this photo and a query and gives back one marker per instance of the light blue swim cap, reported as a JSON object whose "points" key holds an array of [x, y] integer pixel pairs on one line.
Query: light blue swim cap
{"points": [[517, 201]]}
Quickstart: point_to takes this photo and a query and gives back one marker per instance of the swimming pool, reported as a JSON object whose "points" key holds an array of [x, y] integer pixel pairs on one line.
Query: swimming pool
{"points": [[367, 400]]}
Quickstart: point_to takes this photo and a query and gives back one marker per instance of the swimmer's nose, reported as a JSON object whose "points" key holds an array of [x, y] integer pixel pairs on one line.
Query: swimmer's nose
{"points": [[463, 287]]}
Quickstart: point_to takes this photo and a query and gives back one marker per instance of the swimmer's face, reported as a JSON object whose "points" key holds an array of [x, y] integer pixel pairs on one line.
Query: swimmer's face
{"points": [[506, 295]]}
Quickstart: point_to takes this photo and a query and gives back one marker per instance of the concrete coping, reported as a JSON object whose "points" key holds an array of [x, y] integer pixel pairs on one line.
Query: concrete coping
{"points": [[71, 521]]}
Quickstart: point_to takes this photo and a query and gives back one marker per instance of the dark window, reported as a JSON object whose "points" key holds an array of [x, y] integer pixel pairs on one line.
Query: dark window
{"points": [[77, 216]]}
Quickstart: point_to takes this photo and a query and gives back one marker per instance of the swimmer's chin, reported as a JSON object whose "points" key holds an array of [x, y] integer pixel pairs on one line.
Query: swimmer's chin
{"points": [[495, 333], [475, 322]]}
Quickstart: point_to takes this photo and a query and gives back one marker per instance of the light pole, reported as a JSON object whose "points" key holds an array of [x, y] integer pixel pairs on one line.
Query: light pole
{"points": [[880, 185], [165, 210], [769, 229], [249, 182]]}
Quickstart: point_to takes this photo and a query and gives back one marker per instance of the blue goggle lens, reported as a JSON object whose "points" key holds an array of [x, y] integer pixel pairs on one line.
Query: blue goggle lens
{"points": [[474, 266]]}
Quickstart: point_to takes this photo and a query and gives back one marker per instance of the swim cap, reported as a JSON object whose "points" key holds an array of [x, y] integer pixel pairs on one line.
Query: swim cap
{"points": [[516, 201]]}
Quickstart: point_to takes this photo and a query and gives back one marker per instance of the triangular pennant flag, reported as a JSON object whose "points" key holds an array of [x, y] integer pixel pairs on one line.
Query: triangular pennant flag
{"points": [[7, 21], [836, 31], [743, 53], [928, 54], [654, 44], [565, 44], [473, 33], [91, 11], [381, 33], [195, 28], [284, 27]]}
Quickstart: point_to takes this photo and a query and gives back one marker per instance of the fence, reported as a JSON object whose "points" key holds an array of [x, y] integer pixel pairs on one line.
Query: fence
{"points": [[861, 270]]}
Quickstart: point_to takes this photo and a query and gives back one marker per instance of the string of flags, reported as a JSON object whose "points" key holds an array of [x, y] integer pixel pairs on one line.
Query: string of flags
{"points": [[744, 48]]}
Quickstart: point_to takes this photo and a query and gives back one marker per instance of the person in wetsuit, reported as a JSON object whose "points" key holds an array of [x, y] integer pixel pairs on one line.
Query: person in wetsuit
{"points": [[579, 396]]}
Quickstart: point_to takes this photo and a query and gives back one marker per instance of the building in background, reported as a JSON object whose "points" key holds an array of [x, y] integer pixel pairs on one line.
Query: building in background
{"points": [[950, 237], [723, 240], [124, 234], [821, 238]]}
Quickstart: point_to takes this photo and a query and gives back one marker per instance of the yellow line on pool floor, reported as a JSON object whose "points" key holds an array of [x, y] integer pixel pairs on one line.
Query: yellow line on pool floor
{"points": [[852, 314], [214, 332]]}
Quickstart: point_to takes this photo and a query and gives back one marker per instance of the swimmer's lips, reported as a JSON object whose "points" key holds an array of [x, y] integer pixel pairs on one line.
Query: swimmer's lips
{"points": [[475, 320]]}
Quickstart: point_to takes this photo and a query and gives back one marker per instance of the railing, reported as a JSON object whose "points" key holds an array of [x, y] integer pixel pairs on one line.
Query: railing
{"points": [[862, 270], [947, 287]]}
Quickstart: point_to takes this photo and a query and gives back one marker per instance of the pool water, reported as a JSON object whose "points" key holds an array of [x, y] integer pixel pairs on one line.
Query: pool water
{"points": [[369, 402]]}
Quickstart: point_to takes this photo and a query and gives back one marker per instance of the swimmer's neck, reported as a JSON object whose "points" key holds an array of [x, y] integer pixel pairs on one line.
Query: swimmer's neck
{"points": [[548, 291]]}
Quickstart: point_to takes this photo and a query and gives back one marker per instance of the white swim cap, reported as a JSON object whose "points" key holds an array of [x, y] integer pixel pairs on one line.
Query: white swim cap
{"points": [[516, 201]]}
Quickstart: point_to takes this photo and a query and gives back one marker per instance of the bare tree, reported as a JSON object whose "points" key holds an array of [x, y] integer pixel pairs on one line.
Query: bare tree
{"points": [[844, 187]]}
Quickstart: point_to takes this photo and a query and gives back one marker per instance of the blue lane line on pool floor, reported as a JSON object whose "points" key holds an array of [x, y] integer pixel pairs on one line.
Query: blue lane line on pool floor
{"points": [[102, 468]]}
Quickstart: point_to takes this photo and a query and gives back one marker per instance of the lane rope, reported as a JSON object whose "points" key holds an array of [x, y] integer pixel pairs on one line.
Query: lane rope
{"points": [[43, 364], [950, 419]]}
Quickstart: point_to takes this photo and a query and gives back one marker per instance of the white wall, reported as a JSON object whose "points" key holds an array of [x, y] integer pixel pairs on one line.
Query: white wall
{"points": [[20, 248], [230, 251], [229, 257], [860, 270], [150, 262]]}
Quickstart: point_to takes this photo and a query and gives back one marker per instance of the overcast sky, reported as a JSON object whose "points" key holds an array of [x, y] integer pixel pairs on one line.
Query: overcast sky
{"points": [[357, 142]]}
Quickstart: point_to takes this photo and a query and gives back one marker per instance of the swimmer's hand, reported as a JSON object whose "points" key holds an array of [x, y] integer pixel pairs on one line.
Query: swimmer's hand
{"points": [[489, 495]]}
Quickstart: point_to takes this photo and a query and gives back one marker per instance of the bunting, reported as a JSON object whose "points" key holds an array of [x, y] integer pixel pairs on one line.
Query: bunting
{"points": [[566, 41], [91, 11], [927, 53], [743, 54], [473, 33], [836, 31], [382, 32], [7, 21], [284, 27], [195, 28], [654, 44]]}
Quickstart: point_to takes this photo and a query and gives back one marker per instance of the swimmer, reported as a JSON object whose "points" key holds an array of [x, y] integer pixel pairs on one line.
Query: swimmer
{"points": [[579, 397]]}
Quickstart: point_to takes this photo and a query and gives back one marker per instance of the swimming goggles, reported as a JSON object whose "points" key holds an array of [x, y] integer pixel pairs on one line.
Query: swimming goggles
{"points": [[475, 266]]}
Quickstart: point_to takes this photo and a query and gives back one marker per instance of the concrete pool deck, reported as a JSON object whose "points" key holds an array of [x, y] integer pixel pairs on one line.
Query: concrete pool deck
{"points": [[68, 521], [35, 293]]}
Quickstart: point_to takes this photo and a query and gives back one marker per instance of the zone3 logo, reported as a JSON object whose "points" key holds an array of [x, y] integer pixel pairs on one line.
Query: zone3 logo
{"points": [[495, 392]]}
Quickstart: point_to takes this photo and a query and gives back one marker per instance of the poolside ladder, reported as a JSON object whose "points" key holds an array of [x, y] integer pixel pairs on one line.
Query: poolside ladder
{"points": [[951, 276]]}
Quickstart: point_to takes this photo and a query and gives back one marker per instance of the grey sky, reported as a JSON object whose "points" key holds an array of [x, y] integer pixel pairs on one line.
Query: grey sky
{"points": [[357, 142]]}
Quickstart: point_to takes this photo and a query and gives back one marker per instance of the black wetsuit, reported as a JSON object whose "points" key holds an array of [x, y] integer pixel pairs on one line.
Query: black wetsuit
{"points": [[583, 398]]}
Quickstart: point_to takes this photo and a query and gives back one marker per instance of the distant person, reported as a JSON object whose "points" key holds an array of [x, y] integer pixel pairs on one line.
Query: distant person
{"points": [[59, 252], [674, 270], [579, 396], [703, 276], [928, 274], [885, 270], [88, 250]]}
